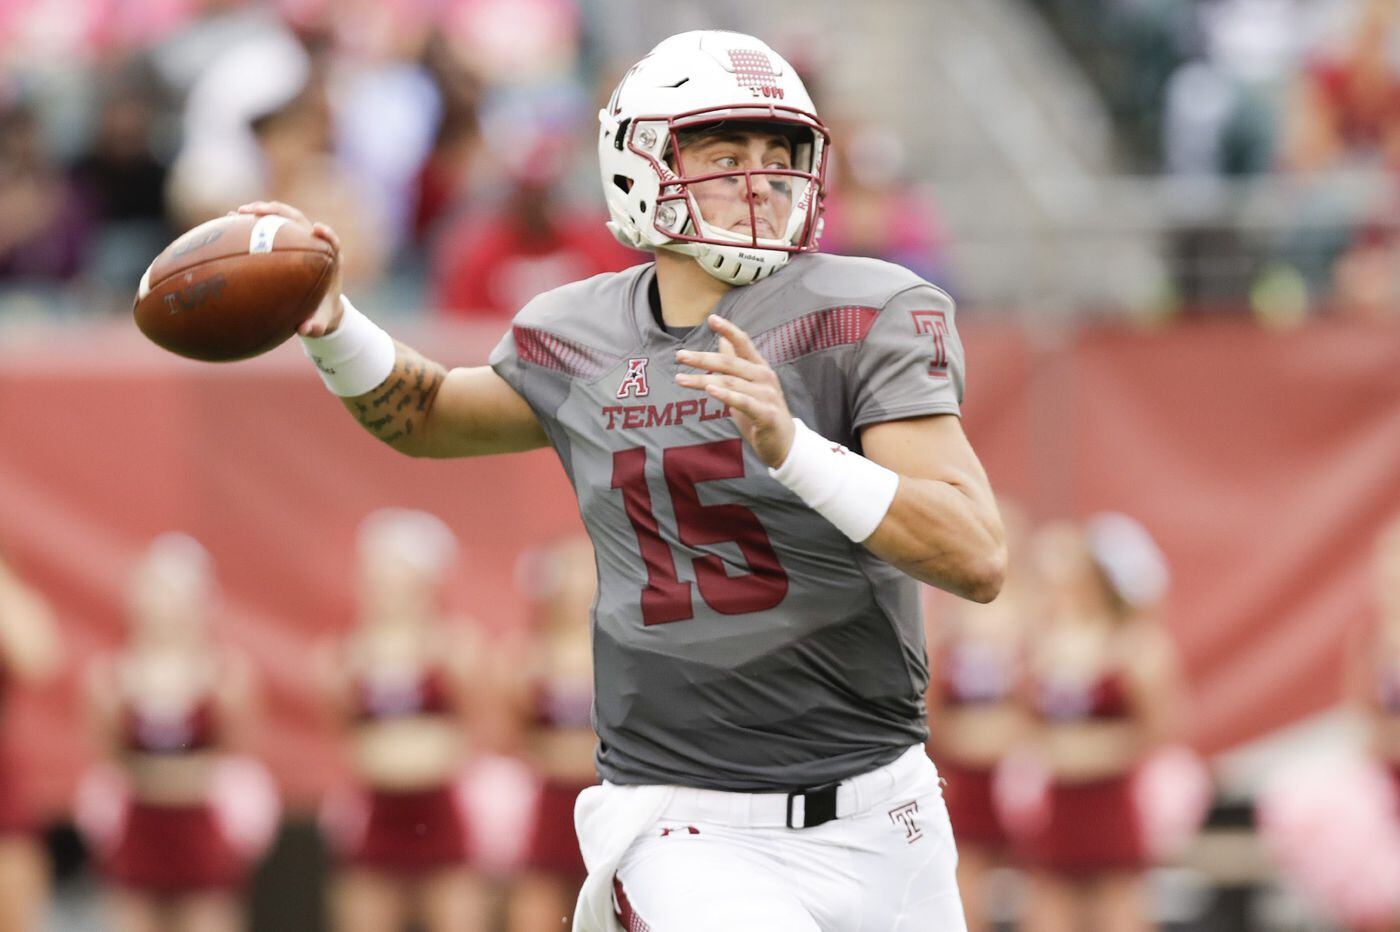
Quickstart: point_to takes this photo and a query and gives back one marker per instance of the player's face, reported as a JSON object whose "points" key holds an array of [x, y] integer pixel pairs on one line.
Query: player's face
{"points": [[724, 202]]}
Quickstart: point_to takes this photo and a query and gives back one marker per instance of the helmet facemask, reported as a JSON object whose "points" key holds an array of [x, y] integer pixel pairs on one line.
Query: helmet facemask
{"points": [[783, 205], [777, 207]]}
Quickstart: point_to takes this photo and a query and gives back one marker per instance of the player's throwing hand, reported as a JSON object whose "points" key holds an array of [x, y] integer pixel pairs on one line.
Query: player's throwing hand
{"points": [[327, 316], [741, 378]]}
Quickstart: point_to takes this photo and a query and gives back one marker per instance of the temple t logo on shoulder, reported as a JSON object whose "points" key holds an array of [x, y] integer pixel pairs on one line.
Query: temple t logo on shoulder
{"points": [[935, 324]]}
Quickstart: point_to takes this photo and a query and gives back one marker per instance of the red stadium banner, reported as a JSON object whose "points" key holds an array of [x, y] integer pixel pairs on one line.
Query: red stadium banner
{"points": [[1263, 462]]}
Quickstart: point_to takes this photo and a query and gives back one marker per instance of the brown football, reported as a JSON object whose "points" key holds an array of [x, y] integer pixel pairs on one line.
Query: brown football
{"points": [[233, 287]]}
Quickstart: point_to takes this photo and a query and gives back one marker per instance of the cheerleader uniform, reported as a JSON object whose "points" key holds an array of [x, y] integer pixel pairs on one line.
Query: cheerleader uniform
{"points": [[404, 832], [169, 849], [1093, 826]]}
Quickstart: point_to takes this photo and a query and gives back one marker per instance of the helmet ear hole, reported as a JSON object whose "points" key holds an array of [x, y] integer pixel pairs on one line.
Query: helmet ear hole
{"points": [[623, 182]]}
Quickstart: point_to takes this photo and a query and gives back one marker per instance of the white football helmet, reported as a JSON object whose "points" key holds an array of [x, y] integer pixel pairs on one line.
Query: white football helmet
{"points": [[689, 81]]}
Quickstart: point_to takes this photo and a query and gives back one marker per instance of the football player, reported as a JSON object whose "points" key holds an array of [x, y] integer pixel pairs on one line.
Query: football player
{"points": [[766, 448]]}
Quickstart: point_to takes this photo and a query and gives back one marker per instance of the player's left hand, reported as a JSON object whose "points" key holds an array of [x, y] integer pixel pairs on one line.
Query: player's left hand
{"points": [[741, 378]]}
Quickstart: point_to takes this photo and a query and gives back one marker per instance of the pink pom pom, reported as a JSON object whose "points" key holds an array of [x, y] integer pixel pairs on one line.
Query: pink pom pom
{"points": [[1172, 790], [1021, 793], [1334, 830], [343, 817], [499, 793], [100, 806], [246, 804]]}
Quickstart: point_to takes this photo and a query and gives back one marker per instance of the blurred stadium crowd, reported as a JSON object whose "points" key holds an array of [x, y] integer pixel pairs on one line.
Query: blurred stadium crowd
{"points": [[448, 143], [1256, 140], [1300, 98]]}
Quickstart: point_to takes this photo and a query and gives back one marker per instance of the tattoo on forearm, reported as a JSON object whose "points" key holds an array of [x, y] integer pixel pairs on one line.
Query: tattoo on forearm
{"points": [[397, 408], [386, 393], [424, 382]]}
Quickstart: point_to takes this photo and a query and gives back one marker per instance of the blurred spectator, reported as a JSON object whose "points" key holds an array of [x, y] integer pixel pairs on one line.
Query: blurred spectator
{"points": [[119, 172], [400, 685], [122, 182], [259, 126], [206, 30], [295, 143], [29, 652], [873, 210], [1128, 48], [174, 821], [219, 164], [976, 661], [1220, 106], [444, 176], [391, 114], [1104, 688], [1346, 108], [1343, 114], [533, 241], [44, 229], [1366, 277], [524, 43], [555, 698]]}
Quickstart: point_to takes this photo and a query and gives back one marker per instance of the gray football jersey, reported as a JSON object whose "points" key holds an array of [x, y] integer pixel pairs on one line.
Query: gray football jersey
{"points": [[740, 641]]}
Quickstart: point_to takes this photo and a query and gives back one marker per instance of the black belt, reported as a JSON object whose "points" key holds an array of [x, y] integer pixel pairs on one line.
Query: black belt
{"points": [[818, 807]]}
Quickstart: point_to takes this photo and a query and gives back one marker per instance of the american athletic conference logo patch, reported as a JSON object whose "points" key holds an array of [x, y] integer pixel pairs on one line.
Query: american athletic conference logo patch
{"points": [[634, 383]]}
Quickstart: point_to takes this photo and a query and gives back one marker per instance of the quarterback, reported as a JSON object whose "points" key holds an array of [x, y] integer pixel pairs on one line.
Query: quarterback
{"points": [[767, 454]]}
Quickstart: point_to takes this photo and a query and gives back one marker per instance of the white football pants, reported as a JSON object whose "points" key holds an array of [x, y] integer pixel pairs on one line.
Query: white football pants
{"points": [[727, 862]]}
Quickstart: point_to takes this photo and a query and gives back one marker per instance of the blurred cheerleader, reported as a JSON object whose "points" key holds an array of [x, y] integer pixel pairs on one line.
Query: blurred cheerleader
{"points": [[1333, 823], [1104, 689], [555, 700], [174, 821], [976, 655], [28, 653], [400, 684]]}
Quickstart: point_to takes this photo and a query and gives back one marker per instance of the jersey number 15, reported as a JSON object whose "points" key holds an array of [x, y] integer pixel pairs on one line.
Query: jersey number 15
{"points": [[666, 598]]}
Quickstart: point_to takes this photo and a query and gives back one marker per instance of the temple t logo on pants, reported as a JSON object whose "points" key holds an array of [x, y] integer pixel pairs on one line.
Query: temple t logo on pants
{"points": [[905, 815]]}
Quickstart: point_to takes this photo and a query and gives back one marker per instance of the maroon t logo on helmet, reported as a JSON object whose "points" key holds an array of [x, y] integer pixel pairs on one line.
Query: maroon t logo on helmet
{"points": [[934, 323], [634, 383]]}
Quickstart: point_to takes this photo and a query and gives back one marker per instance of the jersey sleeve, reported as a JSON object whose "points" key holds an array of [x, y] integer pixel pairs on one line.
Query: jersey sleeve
{"points": [[541, 364], [911, 362], [543, 389], [505, 359]]}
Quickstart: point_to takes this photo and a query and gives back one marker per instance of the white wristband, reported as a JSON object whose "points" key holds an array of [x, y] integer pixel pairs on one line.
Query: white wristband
{"points": [[353, 358], [845, 488]]}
